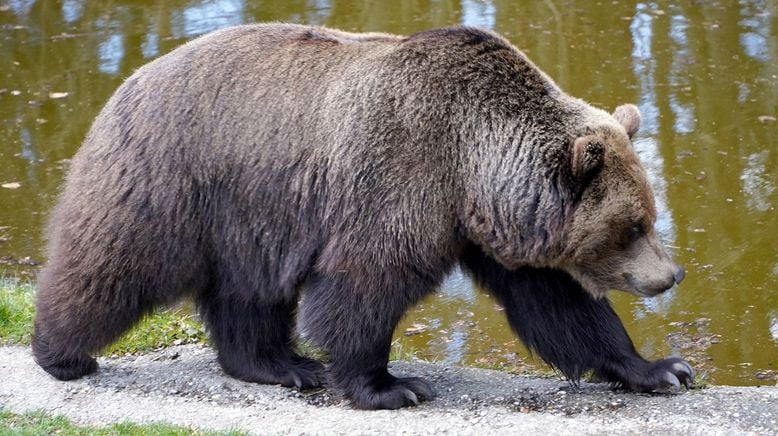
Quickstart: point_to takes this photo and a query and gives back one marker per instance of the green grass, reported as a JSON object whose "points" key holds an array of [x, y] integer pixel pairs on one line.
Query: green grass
{"points": [[161, 329], [40, 423], [17, 309], [700, 380], [403, 351]]}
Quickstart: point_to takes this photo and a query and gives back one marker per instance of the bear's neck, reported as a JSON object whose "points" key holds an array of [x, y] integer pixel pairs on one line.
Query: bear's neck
{"points": [[517, 197]]}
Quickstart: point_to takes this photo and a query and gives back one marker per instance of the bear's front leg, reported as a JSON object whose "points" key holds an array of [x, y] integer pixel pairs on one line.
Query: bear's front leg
{"points": [[354, 323], [572, 331]]}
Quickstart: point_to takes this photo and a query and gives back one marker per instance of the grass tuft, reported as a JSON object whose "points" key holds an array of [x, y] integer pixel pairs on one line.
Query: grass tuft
{"points": [[17, 310], [40, 423], [161, 329], [700, 380]]}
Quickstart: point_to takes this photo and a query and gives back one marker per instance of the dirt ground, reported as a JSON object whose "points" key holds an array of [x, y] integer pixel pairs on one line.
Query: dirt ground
{"points": [[183, 385]]}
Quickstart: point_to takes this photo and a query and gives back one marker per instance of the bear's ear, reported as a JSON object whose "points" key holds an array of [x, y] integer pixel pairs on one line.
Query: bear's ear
{"points": [[588, 156], [628, 116]]}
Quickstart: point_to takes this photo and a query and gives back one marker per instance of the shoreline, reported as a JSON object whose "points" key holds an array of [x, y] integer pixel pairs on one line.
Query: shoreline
{"points": [[184, 385]]}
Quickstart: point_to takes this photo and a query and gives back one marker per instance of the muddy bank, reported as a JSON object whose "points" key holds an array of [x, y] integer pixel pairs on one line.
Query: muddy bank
{"points": [[184, 385]]}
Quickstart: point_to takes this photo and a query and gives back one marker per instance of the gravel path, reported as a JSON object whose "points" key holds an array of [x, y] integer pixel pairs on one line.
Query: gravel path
{"points": [[184, 385]]}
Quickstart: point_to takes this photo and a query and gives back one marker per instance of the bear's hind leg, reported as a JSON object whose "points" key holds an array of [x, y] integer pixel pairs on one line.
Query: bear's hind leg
{"points": [[574, 332], [77, 315], [355, 326], [255, 341]]}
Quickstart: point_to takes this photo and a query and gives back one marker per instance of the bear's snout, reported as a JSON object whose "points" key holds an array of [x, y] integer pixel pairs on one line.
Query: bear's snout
{"points": [[675, 278], [679, 274]]}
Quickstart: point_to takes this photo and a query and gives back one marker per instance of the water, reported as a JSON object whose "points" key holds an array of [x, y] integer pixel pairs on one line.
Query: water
{"points": [[703, 73]]}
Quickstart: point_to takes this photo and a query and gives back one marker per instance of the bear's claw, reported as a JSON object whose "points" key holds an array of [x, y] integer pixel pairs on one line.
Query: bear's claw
{"points": [[666, 376], [685, 370], [294, 371], [673, 384], [411, 396], [305, 373]]}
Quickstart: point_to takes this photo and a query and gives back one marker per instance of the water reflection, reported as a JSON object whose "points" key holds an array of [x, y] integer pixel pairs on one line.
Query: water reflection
{"points": [[111, 52], [756, 24], [679, 80], [207, 16], [478, 13], [703, 73], [71, 10], [21, 7], [756, 181]]}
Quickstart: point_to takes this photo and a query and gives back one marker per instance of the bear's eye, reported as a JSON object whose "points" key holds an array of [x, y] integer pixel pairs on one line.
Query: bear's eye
{"points": [[636, 230]]}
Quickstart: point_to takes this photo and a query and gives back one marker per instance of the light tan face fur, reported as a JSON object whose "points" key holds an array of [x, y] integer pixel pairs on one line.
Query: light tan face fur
{"points": [[612, 242]]}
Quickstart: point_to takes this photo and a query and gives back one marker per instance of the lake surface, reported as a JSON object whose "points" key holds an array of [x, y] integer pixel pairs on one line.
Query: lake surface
{"points": [[704, 75]]}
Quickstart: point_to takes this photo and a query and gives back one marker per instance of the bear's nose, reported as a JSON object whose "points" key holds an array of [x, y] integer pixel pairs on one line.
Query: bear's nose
{"points": [[678, 274]]}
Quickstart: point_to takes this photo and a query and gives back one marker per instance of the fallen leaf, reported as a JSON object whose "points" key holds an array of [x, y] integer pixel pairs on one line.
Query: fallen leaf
{"points": [[55, 95], [12, 185], [415, 329], [27, 261]]}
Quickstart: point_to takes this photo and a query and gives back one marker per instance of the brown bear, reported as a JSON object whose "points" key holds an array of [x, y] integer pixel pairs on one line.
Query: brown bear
{"points": [[264, 164]]}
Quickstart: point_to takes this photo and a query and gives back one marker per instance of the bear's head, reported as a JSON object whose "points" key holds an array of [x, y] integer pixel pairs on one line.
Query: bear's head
{"points": [[610, 238]]}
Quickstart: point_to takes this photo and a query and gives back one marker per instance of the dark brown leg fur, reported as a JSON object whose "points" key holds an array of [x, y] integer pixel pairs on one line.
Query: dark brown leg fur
{"points": [[355, 325], [566, 327], [254, 341]]}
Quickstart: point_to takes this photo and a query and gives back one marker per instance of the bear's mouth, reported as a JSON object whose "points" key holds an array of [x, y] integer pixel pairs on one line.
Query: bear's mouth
{"points": [[641, 291]]}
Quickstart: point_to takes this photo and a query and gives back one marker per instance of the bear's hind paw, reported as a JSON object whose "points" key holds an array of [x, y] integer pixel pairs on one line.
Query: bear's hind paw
{"points": [[69, 369], [296, 371], [306, 373], [402, 392]]}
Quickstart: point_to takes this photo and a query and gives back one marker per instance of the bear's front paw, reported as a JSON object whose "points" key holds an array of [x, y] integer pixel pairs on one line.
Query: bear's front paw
{"points": [[665, 376], [400, 392]]}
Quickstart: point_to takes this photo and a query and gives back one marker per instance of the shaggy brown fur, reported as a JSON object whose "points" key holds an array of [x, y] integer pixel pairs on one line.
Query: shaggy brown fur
{"points": [[265, 162]]}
